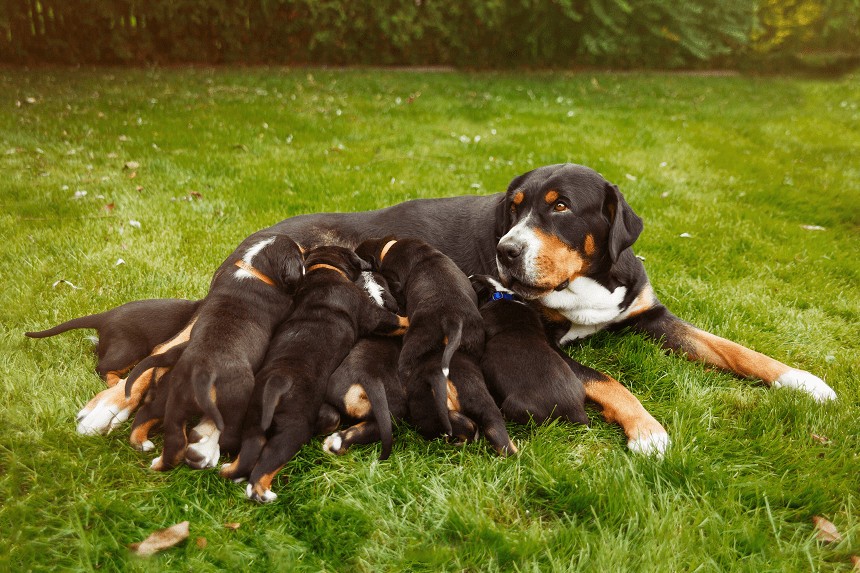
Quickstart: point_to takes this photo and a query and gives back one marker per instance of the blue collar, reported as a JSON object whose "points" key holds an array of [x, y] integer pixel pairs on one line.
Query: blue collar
{"points": [[503, 296]]}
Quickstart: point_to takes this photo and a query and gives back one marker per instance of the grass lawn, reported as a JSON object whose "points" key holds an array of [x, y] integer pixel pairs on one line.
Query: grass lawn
{"points": [[739, 164]]}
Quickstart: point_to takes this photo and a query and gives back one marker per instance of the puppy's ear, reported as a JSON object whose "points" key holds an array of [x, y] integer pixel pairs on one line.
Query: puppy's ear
{"points": [[481, 286], [356, 265], [290, 267], [624, 225]]}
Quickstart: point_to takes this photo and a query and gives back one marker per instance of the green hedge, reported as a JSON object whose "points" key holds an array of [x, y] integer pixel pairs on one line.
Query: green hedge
{"points": [[465, 33]]}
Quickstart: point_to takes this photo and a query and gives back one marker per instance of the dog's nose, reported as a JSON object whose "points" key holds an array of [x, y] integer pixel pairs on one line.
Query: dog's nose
{"points": [[509, 251]]}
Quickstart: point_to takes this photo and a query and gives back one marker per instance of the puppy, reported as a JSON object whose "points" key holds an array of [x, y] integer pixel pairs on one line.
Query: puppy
{"points": [[213, 372], [526, 376], [330, 313], [129, 332], [443, 320]]}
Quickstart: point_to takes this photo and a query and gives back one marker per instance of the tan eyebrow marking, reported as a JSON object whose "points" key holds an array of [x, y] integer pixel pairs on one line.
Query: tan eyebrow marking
{"points": [[518, 197], [551, 196]]}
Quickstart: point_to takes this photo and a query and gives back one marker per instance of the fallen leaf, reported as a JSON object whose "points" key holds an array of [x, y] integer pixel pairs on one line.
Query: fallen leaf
{"points": [[813, 227], [64, 281], [139, 188], [686, 235], [821, 439], [135, 224], [826, 531], [109, 207], [161, 539], [119, 262], [856, 561], [233, 526], [201, 542], [630, 177], [133, 175], [196, 195], [131, 165]]}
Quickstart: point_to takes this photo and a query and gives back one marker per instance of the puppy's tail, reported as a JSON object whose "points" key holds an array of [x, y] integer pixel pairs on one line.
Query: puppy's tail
{"points": [[440, 388], [164, 360], [89, 321], [379, 403], [203, 382], [273, 390]]}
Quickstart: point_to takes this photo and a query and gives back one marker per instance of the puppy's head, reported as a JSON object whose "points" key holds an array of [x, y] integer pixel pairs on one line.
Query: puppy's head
{"points": [[487, 288], [340, 258], [373, 250], [557, 223], [279, 258], [378, 289]]}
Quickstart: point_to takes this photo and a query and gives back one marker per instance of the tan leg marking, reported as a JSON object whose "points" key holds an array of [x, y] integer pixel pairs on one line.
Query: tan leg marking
{"points": [[621, 407], [114, 376], [453, 397], [732, 356], [265, 482], [141, 433]]}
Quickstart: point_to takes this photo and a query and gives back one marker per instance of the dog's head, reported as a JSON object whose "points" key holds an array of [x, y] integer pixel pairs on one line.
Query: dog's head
{"points": [[557, 223], [280, 259], [341, 258], [373, 250]]}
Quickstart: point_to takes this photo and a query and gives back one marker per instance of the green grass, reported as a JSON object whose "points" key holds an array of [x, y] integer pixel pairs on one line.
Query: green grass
{"points": [[738, 163]]}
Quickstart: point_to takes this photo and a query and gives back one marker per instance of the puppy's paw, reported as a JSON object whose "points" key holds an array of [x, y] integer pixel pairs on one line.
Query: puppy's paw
{"points": [[333, 444], [157, 465], [806, 382], [650, 444], [202, 455], [147, 446], [228, 471], [258, 494], [107, 410]]}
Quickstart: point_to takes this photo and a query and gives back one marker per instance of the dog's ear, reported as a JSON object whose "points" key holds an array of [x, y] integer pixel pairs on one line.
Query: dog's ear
{"points": [[481, 286], [624, 225], [371, 249], [290, 266], [356, 265]]}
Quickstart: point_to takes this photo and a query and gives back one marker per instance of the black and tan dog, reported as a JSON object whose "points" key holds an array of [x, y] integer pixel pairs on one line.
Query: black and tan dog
{"points": [[129, 332], [213, 372], [526, 376], [561, 236], [330, 314], [443, 322]]}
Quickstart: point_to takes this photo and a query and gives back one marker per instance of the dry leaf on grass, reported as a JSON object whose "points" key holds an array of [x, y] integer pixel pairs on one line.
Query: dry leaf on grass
{"points": [[821, 439], [826, 531], [131, 165], [856, 561], [201, 542], [161, 539], [233, 526]]}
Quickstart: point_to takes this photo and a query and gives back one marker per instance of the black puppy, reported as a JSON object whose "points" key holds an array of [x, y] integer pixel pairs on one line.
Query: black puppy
{"points": [[213, 373], [524, 373], [443, 321], [329, 315], [129, 332]]}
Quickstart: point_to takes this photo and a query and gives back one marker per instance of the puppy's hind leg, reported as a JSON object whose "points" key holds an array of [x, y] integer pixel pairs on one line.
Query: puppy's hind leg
{"points": [[366, 432], [279, 449]]}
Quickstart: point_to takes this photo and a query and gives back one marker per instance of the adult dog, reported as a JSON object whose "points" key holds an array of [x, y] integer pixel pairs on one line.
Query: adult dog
{"points": [[560, 236]]}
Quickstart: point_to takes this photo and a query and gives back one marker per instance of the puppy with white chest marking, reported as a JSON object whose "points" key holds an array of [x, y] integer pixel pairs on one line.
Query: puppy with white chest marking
{"points": [[330, 314], [213, 372], [129, 332], [444, 323], [526, 376]]}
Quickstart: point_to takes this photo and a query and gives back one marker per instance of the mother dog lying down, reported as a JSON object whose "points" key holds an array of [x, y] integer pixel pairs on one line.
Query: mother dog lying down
{"points": [[561, 237]]}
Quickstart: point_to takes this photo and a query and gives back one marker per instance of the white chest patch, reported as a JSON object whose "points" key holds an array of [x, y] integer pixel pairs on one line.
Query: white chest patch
{"points": [[591, 307], [372, 287]]}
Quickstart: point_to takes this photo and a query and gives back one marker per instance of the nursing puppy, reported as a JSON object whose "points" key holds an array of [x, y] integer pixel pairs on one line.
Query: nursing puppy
{"points": [[129, 332], [213, 373], [329, 315], [526, 376], [443, 321]]}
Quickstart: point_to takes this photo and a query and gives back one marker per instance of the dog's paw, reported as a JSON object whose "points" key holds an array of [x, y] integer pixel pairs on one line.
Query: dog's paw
{"points": [[203, 451], [147, 446], [333, 444], [107, 410], [260, 495], [652, 444], [806, 382], [156, 465]]}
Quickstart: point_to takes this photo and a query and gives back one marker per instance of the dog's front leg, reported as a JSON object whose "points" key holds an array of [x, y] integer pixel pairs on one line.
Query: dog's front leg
{"points": [[697, 344]]}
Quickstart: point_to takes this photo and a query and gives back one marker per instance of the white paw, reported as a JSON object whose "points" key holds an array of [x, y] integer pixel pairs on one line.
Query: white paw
{"points": [[267, 496], [806, 382], [155, 462], [332, 444], [101, 419], [203, 453], [147, 446], [654, 444]]}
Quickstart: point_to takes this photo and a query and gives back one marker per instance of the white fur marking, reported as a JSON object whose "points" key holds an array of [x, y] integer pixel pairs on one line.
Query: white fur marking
{"points": [[372, 287], [252, 252], [445, 371], [525, 235], [267, 497], [155, 462], [332, 444], [499, 286], [205, 452], [654, 444], [806, 382], [105, 415], [147, 446]]}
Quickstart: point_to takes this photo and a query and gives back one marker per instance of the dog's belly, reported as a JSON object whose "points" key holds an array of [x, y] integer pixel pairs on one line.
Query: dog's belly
{"points": [[590, 307]]}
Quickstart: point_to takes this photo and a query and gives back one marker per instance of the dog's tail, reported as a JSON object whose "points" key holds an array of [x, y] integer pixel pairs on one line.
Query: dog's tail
{"points": [[440, 388], [164, 360], [379, 404], [274, 389], [89, 321], [203, 382]]}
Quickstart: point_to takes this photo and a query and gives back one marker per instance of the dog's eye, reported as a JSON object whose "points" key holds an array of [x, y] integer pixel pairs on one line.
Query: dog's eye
{"points": [[559, 207]]}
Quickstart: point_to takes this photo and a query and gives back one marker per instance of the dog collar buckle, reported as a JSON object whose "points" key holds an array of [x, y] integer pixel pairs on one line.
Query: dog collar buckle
{"points": [[502, 296]]}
